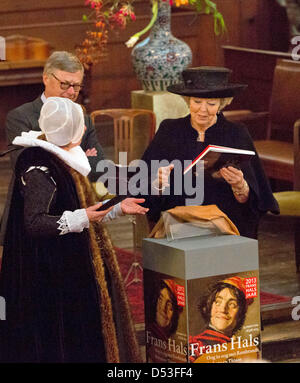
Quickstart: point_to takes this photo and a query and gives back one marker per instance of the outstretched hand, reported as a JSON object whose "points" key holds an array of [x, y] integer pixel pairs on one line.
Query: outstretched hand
{"points": [[94, 215], [131, 206]]}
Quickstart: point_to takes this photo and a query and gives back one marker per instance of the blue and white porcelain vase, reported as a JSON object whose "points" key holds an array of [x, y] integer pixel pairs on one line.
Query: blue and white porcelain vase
{"points": [[159, 60]]}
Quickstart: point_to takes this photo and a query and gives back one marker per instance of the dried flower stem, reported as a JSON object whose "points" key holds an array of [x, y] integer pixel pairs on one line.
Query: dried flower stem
{"points": [[133, 39]]}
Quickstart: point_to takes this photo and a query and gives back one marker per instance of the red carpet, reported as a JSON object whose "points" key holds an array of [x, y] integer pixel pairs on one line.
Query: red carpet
{"points": [[268, 298], [135, 290]]}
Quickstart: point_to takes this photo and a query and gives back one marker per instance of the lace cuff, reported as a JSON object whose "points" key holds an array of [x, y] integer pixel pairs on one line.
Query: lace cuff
{"points": [[73, 221]]}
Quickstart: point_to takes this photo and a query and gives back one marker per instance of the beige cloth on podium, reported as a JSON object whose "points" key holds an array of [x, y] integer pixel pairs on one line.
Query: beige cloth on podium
{"points": [[196, 213]]}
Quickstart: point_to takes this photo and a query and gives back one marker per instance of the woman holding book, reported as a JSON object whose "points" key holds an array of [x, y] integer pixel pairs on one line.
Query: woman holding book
{"points": [[242, 192]]}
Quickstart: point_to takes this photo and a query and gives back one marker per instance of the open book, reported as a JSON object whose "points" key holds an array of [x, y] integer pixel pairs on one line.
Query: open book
{"points": [[215, 156]]}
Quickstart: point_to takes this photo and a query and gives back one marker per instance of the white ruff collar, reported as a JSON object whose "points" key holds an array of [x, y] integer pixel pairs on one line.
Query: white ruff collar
{"points": [[75, 157]]}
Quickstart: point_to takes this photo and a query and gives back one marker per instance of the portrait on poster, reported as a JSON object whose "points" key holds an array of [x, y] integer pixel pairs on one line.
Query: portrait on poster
{"points": [[165, 318], [224, 318]]}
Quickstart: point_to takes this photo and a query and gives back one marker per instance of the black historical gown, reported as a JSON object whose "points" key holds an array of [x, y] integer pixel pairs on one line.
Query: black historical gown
{"points": [[177, 140], [53, 301]]}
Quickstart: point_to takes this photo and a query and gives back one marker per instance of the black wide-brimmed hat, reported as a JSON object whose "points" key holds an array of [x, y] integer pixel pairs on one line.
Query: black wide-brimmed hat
{"points": [[206, 82]]}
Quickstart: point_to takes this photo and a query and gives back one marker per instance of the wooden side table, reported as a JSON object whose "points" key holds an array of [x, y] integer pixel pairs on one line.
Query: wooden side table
{"points": [[21, 72]]}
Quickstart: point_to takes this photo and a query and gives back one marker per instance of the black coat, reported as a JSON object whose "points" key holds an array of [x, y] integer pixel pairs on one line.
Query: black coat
{"points": [[177, 140]]}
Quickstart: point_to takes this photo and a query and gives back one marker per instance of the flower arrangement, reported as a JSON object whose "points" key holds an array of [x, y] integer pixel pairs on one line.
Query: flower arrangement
{"points": [[115, 14]]}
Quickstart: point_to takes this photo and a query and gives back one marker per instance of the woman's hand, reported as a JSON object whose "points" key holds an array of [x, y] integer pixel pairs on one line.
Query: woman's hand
{"points": [[162, 179], [233, 176], [238, 184], [91, 152], [131, 206], [94, 215]]}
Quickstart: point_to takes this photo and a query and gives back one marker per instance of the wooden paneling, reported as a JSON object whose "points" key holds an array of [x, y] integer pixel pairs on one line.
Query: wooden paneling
{"points": [[9, 96], [18, 81], [255, 68], [278, 26], [30, 5], [60, 23]]}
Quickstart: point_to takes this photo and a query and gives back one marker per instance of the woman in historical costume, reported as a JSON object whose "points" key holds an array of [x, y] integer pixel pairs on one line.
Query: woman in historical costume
{"points": [[242, 193], [65, 299]]}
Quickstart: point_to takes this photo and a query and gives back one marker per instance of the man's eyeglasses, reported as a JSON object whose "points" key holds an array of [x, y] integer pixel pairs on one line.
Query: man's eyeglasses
{"points": [[66, 85]]}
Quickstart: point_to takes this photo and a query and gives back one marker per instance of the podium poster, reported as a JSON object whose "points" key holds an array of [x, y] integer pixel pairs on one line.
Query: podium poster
{"points": [[224, 318], [204, 320], [165, 318]]}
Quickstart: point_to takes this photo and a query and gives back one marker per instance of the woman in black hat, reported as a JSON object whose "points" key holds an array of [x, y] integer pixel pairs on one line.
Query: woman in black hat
{"points": [[242, 192]]}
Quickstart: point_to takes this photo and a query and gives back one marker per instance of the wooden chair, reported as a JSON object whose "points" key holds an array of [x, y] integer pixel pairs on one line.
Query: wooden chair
{"points": [[276, 149], [129, 137], [126, 133], [289, 201]]}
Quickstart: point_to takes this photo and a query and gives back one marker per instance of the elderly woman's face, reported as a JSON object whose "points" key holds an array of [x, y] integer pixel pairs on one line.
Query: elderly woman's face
{"points": [[224, 311], [204, 111], [164, 308]]}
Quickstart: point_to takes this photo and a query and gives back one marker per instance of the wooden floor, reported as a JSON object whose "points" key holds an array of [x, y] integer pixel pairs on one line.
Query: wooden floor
{"points": [[277, 268]]}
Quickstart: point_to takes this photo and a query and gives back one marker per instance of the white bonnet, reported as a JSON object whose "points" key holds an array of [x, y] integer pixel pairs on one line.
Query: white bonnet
{"points": [[62, 121]]}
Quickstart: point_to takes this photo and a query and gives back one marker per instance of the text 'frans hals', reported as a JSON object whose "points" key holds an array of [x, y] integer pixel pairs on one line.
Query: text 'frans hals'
{"points": [[223, 318]]}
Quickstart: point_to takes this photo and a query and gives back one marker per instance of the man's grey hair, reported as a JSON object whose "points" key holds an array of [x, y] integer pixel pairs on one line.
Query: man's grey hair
{"points": [[62, 60]]}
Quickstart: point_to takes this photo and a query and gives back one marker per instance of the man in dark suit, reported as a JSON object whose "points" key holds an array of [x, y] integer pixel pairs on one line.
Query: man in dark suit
{"points": [[62, 76]]}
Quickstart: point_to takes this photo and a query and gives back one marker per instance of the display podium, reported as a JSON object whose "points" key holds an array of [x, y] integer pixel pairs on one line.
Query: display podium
{"points": [[201, 299], [163, 104]]}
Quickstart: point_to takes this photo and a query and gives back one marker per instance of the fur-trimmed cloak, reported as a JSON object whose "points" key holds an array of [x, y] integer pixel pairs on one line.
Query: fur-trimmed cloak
{"points": [[65, 300]]}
